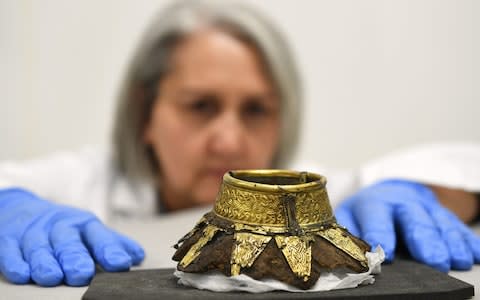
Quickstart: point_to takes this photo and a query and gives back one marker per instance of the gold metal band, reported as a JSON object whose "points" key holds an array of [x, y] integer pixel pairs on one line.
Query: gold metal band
{"points": [[255, 202]]}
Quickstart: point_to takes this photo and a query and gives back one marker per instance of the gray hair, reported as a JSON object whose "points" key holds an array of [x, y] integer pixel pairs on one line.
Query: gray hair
{"points": [[151, 62]]}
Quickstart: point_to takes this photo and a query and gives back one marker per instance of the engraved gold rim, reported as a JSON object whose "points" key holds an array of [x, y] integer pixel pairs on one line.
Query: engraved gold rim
{"points": [[284, 198], [315, 181]]}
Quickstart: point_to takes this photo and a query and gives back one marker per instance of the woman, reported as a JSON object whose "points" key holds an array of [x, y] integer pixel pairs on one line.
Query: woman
{"points": [[212, 87]]}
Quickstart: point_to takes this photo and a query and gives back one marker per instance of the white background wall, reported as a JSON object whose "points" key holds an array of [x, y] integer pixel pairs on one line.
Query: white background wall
{"points": [[378, 74]]}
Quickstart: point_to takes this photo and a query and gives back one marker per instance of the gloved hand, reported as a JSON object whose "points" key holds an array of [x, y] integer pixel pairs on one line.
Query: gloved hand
{"points": [[432, 234], [51, 243]]}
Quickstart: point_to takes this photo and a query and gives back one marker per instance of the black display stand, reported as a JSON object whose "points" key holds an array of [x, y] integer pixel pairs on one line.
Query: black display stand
{"points": [[404, 279]]}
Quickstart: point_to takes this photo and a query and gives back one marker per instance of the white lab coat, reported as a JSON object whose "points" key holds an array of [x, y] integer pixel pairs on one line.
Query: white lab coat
{"points": [[88, 178]]}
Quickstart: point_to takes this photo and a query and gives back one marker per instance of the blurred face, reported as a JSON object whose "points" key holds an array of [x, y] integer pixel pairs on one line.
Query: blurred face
{"points": [[215, 111]]}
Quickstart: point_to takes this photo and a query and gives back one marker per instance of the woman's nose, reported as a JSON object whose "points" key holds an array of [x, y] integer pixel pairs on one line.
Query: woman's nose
{"points": [[228, 136]]}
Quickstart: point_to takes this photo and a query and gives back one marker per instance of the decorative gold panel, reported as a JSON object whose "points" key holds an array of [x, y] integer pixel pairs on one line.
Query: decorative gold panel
{"points": [[247, 248], [342, 241], [298, 253], [207, 234]]}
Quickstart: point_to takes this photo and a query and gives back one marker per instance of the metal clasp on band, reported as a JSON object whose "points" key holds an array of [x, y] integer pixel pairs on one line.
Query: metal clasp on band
{"points": [[288, 201]]}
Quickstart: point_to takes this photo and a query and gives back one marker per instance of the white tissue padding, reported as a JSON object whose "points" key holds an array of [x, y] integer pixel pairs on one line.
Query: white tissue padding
{"points": [[218, 282]]}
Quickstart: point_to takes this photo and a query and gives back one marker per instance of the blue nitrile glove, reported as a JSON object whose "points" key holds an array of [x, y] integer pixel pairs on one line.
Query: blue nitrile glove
{"points": [[432, 233], [51, 243]]}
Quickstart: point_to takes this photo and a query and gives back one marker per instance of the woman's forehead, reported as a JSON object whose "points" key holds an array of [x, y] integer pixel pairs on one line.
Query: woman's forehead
{"points": [[211, 49], [214, 57]]}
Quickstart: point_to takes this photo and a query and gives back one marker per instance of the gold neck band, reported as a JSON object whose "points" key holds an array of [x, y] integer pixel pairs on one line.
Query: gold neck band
{"points": [[275, 198]]}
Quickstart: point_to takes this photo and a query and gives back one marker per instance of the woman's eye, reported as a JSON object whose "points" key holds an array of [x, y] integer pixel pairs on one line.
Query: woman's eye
{"points": [[255, 109], [204, 105]]}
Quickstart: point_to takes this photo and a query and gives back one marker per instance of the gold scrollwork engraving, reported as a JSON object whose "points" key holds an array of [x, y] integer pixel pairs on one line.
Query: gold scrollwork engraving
{"points": [[313, 207], [298, 253], [246, 249], [251, 207], [257, 207]]}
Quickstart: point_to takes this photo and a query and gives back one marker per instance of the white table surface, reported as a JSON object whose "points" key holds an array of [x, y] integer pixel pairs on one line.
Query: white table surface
{"points": [[157, 236]]}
